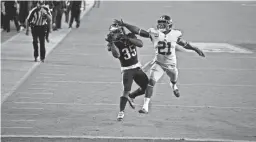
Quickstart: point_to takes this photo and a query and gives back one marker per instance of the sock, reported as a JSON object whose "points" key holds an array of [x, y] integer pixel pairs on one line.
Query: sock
{"points": [[146, 102], [123, 101], [173, 85], [136, 93]]}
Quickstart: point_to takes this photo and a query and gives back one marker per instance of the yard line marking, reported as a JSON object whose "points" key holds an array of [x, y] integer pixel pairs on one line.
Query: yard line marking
{"points": [[248, 5], [43, 77], [40, 89], [17, 127], [28, 108], [32, 98], [52, 74], [224, 69], [156, 105], [18, 114], [44, 84], [181, 84], [19, 120], [18, 84], [119, 138], [31, 93]]}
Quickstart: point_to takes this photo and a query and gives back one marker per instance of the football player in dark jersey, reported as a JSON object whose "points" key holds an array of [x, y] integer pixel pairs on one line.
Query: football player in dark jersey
{"points": [[123, 46]]}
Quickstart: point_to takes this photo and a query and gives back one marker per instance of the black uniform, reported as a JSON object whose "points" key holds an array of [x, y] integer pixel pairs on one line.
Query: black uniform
{"points": [[75, 12], [130, 66], [11, 14]]}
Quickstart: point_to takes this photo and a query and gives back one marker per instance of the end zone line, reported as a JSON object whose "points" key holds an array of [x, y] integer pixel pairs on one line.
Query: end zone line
{"points": [[181, 84], [156, 105], [119, 138]]}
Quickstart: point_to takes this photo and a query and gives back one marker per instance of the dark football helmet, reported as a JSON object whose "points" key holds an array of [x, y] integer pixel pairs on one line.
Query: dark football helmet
{"points": [[164, 23], [115, 28]]}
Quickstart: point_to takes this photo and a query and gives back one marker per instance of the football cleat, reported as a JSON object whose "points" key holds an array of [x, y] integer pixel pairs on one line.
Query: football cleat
{"points": [[120, 116], [131, 102], [176, 93], [143, 110]]}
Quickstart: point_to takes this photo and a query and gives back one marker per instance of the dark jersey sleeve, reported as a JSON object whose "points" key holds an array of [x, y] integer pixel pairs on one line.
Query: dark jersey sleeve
{"points": [[144, 33]]}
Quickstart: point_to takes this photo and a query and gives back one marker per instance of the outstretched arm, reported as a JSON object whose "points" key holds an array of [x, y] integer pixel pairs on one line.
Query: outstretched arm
{"points": [[134, 29], [133, 39], [188, 46], [136, 42]]}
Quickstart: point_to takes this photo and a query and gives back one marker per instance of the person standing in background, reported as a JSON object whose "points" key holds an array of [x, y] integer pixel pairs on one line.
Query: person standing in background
{"points": [[2, 16], [57, 13], [67, 10], [10, 12], [23, 13], [48, 25], [75, 7]]}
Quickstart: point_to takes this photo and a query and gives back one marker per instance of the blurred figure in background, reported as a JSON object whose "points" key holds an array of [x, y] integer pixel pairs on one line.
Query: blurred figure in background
{"points": [[10, 11], [67, 10], [57, 13], [75, 7], [48, 25], [24, 11], [2, 15]]}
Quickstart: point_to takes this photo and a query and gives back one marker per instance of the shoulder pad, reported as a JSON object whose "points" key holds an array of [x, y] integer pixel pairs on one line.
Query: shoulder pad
{"points": [[153, 32], [178, 33]]}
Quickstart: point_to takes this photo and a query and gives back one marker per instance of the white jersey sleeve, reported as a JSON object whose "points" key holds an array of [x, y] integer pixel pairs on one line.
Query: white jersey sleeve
{"points": [[177, 34], [153, 33]]}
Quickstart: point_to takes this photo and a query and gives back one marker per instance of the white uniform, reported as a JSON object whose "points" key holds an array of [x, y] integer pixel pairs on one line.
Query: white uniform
{"points": [[165, 56]]}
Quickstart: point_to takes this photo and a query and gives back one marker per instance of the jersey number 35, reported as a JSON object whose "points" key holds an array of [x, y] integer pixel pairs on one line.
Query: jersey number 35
{"points": [[163, 46], [128, 53]]}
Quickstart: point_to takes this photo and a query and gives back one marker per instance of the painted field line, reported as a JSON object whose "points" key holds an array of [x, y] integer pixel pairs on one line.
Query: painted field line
{"points": [[155, 105], [28, 108], [181, 84], [11, 39], [53, 74], [19, 114], [179, 68], [16, 86], [249, 5], [45, 89], [44, 84], [33, 98], [20, 120], [222, 69], [119, 138], [150, 55], [36, 93], [16, 128], [219, 48]]}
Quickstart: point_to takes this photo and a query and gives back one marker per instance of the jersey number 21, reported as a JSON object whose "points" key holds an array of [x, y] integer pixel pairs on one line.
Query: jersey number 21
{"points": [[161, 46]]}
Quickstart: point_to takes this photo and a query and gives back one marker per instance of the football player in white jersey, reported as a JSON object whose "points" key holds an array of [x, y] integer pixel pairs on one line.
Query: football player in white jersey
{"points": [[164, 39]]}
